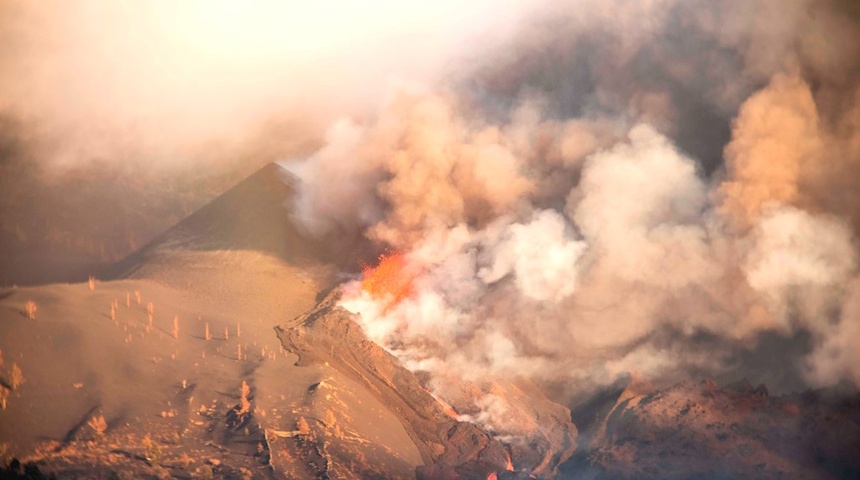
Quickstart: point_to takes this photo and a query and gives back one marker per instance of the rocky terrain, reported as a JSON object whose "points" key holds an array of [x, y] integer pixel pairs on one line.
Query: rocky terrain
{"points": [[175, 370], [448, 447], [703, 430], [219, 351]]}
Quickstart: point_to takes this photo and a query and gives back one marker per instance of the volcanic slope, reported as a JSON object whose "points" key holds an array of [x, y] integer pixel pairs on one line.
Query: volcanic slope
{"points": [[450, 448], [173, 369]]}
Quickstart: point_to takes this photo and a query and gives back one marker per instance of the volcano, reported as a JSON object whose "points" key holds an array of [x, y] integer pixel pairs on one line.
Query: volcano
{"points": [[219, 350]]}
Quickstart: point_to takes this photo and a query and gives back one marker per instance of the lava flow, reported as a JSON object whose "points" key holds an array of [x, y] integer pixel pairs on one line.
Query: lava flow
{"points": [[509, 466]]}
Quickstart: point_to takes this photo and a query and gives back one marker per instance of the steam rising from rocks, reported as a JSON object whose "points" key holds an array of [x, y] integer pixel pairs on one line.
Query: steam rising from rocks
{"points": [[573, 245]]}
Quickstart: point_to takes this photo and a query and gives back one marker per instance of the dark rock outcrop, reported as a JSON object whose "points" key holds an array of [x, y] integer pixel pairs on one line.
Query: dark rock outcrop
{"points": [[702, 430]]}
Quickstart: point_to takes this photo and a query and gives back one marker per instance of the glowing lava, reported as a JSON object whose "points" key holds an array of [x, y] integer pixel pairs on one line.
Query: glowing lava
{"points": [[509, 466], [390, 281]]}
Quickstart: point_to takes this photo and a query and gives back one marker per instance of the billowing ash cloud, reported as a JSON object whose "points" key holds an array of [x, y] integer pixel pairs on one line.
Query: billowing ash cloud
{"points": [[643, 187]]}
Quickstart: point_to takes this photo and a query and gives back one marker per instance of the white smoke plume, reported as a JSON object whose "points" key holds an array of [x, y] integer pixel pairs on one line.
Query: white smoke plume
{"points": [[567, 215]]}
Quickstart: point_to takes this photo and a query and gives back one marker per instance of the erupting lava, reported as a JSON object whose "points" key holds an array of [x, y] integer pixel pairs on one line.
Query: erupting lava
{"points": [[390, 281]]}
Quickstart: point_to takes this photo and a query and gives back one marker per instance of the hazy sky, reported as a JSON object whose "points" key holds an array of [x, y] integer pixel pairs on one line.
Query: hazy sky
{"points": [[166, 80]]}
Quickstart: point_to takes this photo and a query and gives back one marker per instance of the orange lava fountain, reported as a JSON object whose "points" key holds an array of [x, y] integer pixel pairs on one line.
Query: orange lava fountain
{"points": [[390, 281]]}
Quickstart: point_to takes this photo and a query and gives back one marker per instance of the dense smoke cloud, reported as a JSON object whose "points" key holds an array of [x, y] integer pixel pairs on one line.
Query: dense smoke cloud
{"points": [[119, 119], [618, 183]]}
